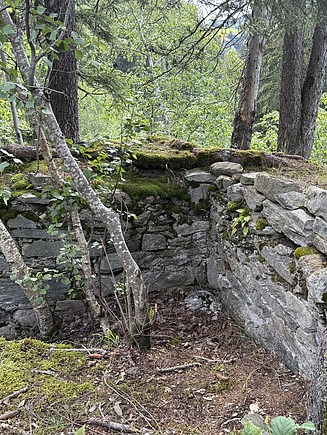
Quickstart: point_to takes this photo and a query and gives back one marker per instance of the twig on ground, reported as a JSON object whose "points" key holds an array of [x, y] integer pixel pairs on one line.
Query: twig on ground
{"points": [[110, 425], [175, 368], [45, 372], [215, 361], [9, 414], [93, 351], [13, 394]]}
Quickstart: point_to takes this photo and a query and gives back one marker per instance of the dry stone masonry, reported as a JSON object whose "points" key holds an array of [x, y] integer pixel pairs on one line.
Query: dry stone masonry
{"points": [[257, 241]]}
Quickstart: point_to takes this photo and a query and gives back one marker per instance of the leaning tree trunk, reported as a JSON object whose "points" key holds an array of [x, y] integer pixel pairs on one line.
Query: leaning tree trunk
{"points": [[108, 216], [23, 278], [244, 117], [290, 96], [62, 82], [313, 86]]}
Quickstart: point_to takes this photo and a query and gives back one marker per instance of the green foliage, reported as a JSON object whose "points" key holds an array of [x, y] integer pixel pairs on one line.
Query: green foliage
{"points": [[265, 133], [301, 251], [241, 221], [255, 425]]}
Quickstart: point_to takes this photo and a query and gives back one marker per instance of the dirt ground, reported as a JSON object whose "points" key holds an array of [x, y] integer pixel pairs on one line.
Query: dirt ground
{"points": [[201, 376]]}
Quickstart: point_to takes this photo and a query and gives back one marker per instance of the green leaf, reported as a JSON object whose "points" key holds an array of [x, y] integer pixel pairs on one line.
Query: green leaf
{"points": [[39, 300], [29, 104], [282, 426], [78, 54], [40, 10], [80, 431], [251, 429], [257, 420], [3, 166], [307, 426], [47, 62]]}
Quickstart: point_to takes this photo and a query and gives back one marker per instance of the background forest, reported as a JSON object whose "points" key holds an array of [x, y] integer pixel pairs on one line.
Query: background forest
{"points": [[175, 68]]}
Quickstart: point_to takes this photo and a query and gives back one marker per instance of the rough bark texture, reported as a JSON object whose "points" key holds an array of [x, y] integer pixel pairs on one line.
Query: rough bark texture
{"points": [[244, 118], [22, 272], [63, 77], [299, 104], [108, 216], [290, 97], [317, 401]]}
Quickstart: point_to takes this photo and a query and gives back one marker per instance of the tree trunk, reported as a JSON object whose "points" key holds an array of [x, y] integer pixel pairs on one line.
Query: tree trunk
{"points": [[63, 76], [108, 216], [299, 104], [291, 88], [244, 117], [313, 87], [23, 278]]}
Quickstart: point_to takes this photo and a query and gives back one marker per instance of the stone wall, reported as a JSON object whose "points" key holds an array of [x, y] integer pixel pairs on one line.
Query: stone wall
{"points": [[258, 241]]}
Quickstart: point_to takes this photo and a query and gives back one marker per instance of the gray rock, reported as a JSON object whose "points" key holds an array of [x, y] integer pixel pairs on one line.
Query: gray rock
{"points": [[320, 243], [8, 332], [185, 229], [317, 201], [204, 301], [199, 176], [42, 249], [25, 318], [279, 258], [317, 286], [226, 168], [320, 234], [272, 186], [223, 182], [248, 178], [253, 199], [21, 222], [31, 233], [310, 264], [295, 224], [235, 193], [198, 193], [153, 242], [291, 200], [71, 307], [39, 180], [111, 264]]}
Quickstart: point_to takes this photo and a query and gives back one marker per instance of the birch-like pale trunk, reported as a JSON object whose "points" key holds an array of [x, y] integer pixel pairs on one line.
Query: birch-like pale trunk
{"points": [[108, 216], [92, 303], [23, 273]]}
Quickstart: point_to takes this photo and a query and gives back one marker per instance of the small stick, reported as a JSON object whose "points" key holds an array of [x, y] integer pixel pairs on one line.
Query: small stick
{"points": [[110, 425], [13, 394], [215, 361], [181, 367], [9, 414], [102, 351]]}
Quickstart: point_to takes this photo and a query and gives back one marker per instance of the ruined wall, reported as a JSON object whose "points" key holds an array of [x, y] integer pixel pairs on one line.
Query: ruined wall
{"points": [[256, 240]]}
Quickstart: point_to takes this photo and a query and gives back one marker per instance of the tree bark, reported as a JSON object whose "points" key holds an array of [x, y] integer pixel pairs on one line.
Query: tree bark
{"points": [[299, 103], [108, 216], [245, 115], [290, 97], [23, 273], [62, 85]]}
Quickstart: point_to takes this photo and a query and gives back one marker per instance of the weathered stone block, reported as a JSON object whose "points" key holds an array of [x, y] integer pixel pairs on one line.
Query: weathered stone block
{"points": [[235, 193], [25, 318], [295, 224], [317, 201], [199, 176], [272, 186], [153, 242], [42, 249], [253, 199], [21, 222], [226, 168]]}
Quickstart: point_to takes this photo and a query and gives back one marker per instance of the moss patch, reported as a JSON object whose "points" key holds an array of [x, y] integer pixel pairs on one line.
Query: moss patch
{"points": [[138, 187], [301, 251], [261, 223]]}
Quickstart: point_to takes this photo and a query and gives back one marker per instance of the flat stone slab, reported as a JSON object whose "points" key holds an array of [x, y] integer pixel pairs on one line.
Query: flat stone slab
{"points": [[199, 176], [272, 186], [226, 168]]}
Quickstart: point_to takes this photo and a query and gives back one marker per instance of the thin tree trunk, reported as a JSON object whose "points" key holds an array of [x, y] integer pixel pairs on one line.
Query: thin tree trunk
{"points": [[313, 87], [13, 105], [108, 216], [245, 115], [23, 276], [93, 305]]}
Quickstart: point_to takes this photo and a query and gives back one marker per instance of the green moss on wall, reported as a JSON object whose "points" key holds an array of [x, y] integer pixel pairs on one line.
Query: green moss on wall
{"points": [[138, 187], [261, 223], [301, 251]]}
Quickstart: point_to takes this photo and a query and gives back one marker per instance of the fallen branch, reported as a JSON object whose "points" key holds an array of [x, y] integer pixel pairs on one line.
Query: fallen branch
{"points": [[175, 368], [110, 425], [215, 361], [13, 394], [9, 414]]}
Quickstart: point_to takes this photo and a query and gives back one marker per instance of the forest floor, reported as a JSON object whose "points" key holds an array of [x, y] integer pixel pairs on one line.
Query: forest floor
{"points": [[201, 376]]}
